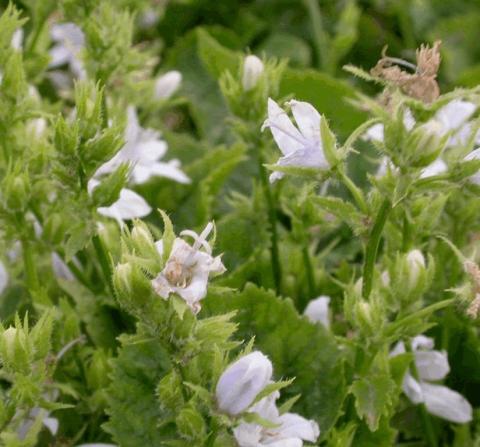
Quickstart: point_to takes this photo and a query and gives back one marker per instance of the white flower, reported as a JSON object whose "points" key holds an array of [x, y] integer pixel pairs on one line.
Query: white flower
{"points": [[300, 147], [432, 366], [69, 42], [474, 155], [3, 278], [241, 382], [129, 205], [290, 431], [317, 311], [167, 84], [143, 149], [252, 70], [188, 268]]}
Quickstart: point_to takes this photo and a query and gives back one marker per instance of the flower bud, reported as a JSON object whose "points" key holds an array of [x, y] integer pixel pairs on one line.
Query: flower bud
{"points": [[416, 266], [190, 424], [365, 316], [167, 84], [252, 70], [425, 143], [143, 242], [9, 337], [169, 392], [16, 190], [317, 311], [241, 382]]}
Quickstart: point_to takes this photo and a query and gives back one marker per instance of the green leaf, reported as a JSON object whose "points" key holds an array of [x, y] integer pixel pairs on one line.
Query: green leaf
{"points": [[373, 397], [216, 57], [133, 408], [168, 235]]}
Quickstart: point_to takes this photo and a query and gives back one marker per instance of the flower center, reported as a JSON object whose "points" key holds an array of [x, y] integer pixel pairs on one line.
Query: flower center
{"points": [[178, 274]]}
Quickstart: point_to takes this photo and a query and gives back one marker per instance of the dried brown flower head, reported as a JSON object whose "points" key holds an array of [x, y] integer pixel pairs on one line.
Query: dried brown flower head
{"points": [[421, 84]]}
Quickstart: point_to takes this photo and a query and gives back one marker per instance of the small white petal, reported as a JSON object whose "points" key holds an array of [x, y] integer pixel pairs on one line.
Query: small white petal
{"points": [[285, 134], [422, 342], [130, 205], [435, 168], [412, 389], [431, 365], [375, 133], [167, 84], [317, 311], [446, 403], [51, 424], [296, 426], [454, 114], [307, 119], [170, 170], [3, 278]]}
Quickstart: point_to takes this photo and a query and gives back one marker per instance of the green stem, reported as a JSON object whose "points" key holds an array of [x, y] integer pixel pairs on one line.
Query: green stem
{"points": [[392, 328], [30, 268], [356, 192], [272, 219], [407, 234], [104, 261], [104, 110], [309, 270], [372, 247], [319, 35], [426, 421]]}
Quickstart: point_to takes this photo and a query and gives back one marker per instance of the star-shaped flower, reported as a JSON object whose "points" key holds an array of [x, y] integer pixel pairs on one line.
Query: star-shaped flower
{"points": [[300, 146]]}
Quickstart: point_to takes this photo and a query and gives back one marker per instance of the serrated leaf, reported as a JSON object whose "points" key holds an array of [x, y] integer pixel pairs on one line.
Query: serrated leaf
{"points": [[373, 397]]}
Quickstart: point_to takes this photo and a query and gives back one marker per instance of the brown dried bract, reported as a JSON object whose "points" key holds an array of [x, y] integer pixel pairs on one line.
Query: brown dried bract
{"points": [[474, 272], [421, 84]]}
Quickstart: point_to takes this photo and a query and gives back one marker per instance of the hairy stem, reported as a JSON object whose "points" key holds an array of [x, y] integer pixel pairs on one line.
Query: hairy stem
{"points": [[104, 261], [272, 220], [319, 35], [355, 192], [372, 247]]}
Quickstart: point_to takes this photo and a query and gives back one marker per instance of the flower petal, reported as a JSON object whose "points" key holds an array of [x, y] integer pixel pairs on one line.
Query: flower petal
{"points": [[3, 277], [307, 118], [435, 168], [296, 426], [412, 389], [454, 114], [431, 365], [446, 403], [170, 170], [317, 311], [285, 134], [129, 206]]}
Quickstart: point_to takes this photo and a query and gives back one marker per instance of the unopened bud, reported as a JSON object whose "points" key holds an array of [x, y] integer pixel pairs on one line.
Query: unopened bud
{"points": [[167, 84], [317, 311], [190, 424], [252, 70], [416, 266], [241, 382], [16, 190], [425, 143]]}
